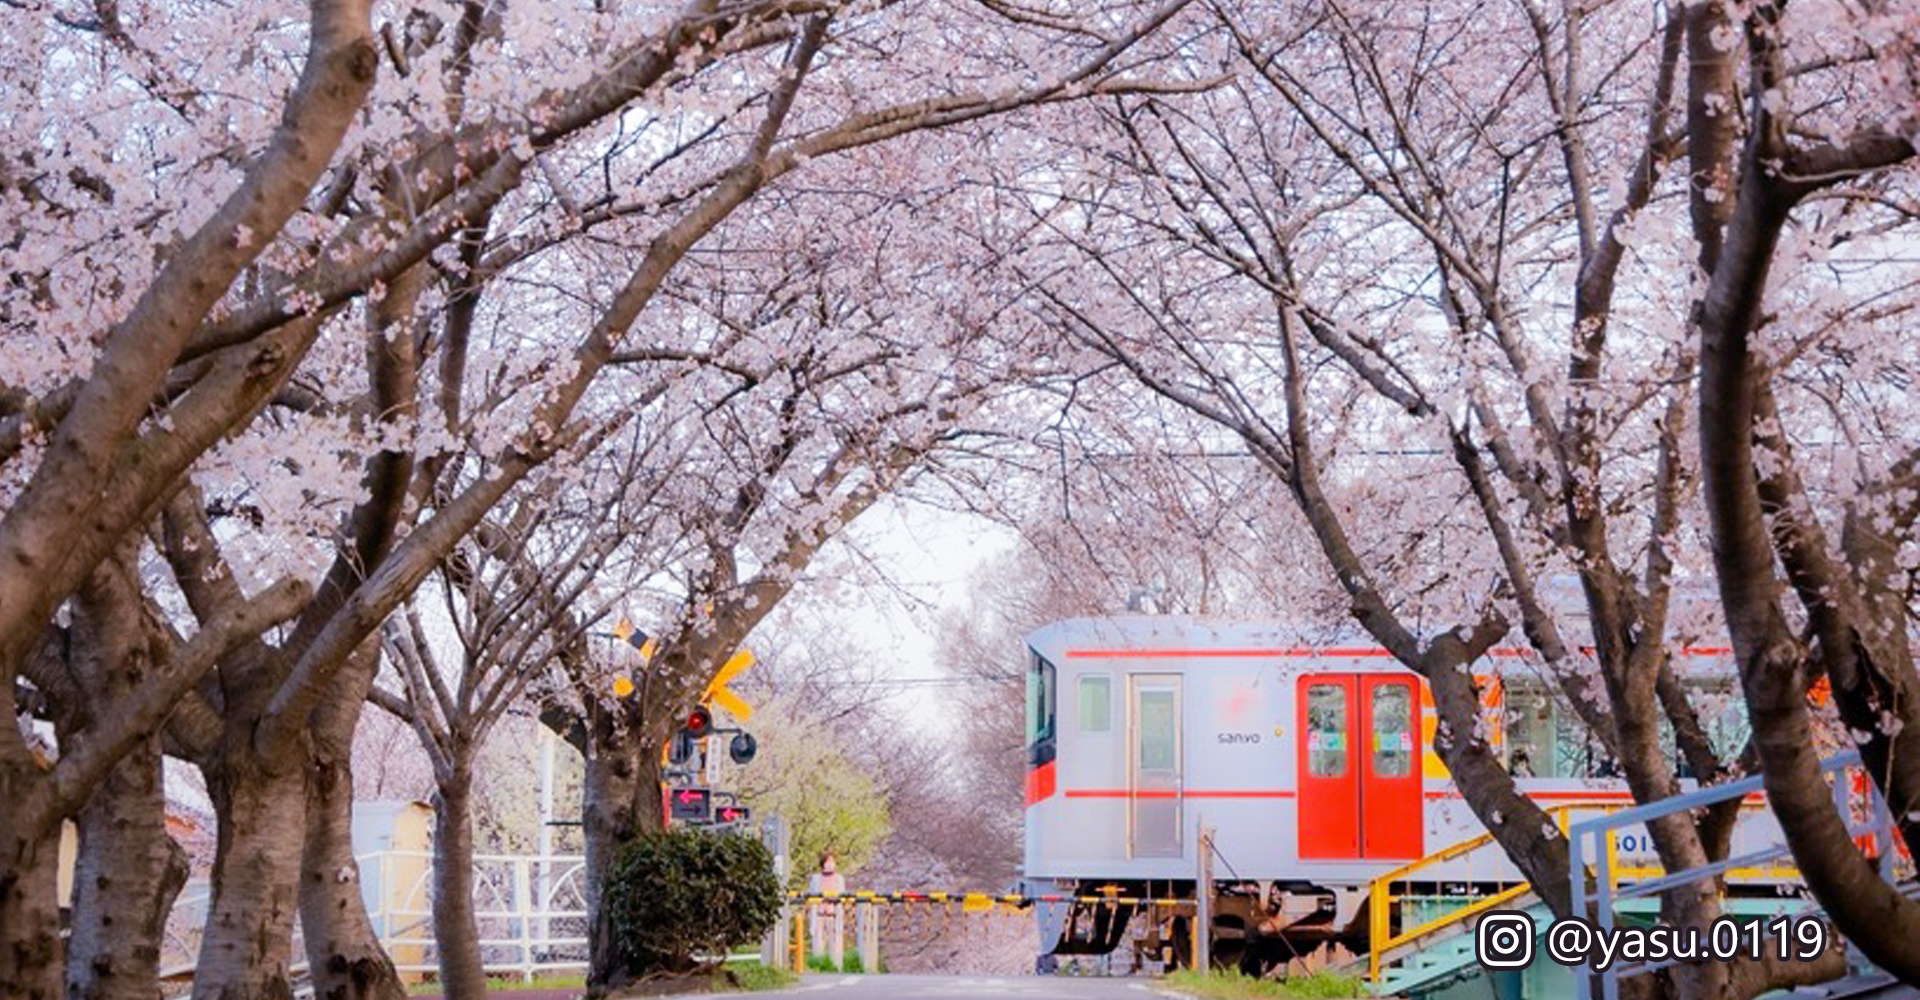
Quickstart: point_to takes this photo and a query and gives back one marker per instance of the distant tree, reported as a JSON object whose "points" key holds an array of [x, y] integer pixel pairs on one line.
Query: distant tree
{"points": [[525, 582], [820, 787]]}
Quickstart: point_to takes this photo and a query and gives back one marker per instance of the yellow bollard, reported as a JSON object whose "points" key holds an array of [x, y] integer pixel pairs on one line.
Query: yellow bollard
{"points": [[1197, 931], [799, 962]]}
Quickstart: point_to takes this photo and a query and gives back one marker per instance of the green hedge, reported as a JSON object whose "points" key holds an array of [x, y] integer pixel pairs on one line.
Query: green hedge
{"points": [[684, 892]]}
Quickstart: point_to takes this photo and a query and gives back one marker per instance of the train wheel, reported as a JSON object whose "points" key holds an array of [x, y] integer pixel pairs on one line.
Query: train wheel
{"points": [[1260, 959]]}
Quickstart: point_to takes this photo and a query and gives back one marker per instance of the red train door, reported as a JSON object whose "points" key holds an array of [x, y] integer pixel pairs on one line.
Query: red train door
{"points": [[1328, 789], [1392, 823], [1359, 780]]}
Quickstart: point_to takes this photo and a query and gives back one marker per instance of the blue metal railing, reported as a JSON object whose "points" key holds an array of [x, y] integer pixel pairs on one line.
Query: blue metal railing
{"points": [[1593, 836]]}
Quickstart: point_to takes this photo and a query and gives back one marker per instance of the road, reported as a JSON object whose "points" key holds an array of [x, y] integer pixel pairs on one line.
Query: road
{"points": [[830, 987], [837, 987]]}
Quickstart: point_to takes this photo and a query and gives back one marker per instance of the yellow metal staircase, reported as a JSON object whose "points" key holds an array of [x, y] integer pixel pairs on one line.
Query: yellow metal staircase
{"points": [[1411, 917], [1409, 897]]}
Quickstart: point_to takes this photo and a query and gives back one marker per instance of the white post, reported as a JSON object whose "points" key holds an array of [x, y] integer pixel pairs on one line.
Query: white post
{"points": [[543, 837], [523, 906], [774, 835], [866, 929], [836, 930]]}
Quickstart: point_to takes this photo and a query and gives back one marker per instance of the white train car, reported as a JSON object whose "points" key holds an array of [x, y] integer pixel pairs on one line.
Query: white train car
{"points": [[1313, 764]]}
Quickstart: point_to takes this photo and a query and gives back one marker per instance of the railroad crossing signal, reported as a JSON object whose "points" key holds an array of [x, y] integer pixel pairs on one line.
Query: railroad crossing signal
{"points": [[732, 814], [624, 631], [692, 804], [680, 748], [717, 692]]}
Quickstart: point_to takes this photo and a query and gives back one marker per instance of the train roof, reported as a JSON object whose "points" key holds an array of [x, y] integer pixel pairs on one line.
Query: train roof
{"points": [[1172, 632], [1174, 636]]}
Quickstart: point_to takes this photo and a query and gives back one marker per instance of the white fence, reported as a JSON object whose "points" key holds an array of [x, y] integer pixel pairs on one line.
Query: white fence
{"points": [[531, 911]]}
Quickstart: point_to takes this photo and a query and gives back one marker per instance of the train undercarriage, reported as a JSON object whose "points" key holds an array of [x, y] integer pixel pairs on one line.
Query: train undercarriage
{"points": [[1256, 926]]}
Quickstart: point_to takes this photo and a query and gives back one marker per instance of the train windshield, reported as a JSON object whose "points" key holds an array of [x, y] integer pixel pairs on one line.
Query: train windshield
{"points": [[1040, 702]]}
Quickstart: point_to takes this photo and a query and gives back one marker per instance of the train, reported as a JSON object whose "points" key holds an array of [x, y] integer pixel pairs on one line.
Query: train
{"points": [[1311, 763]]}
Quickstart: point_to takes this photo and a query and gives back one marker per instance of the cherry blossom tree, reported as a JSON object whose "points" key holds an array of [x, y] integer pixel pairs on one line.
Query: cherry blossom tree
{"points": [[1805, 173], [554, 308], [810, 440], [529, 580]]}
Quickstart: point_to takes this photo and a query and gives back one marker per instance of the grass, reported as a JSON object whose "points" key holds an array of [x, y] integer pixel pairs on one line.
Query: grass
{"points": [[754, 976], [1321, 985], [850, 962]]}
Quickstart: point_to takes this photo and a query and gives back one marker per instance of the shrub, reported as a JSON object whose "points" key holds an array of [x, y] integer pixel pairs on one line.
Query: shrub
{"points": [[820, 963], [684, 897], [851, 963]]}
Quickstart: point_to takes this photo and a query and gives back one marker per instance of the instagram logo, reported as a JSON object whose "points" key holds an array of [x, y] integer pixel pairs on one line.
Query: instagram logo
{"points": [[1504, 940]]}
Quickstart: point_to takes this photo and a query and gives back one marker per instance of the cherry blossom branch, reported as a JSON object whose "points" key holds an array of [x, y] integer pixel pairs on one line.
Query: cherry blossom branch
{"points": [[388, 583], [37, 536]]}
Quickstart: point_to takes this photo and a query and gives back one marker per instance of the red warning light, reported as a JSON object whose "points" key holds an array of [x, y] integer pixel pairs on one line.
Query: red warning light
{"points": [[699, 721]]}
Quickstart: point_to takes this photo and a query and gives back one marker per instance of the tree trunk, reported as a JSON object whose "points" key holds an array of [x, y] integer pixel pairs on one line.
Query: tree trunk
{"points": [[1774, 668], [620, 800], [125, 878], [1522, 829], [1649, 772], [456, 932], [248, 941], [128, 869], [29, 915], [343, 952]]}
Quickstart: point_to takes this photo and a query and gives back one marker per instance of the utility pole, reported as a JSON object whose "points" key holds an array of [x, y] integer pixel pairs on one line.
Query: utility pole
{"points": [[773, 833], [1203, 899]]}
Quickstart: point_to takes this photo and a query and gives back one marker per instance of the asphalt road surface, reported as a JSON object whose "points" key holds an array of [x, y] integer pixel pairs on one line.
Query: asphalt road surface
{"points": [[831, 987]]}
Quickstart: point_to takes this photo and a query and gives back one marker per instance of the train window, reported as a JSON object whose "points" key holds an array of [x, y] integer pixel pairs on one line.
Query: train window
{"points": [[1096, 703], [1040, 701], [1392, 735], [1326, 730], [1531, 735], [1157, 728], [1545, 739]]}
